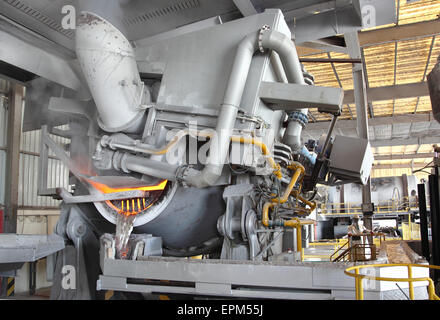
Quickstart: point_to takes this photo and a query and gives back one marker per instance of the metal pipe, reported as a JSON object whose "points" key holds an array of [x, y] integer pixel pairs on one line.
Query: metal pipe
{"points": [[121, 141], [278, 67], [153, 168], [281, 44], [299, 170], [109, 66], [228, 114], [128, 162]]}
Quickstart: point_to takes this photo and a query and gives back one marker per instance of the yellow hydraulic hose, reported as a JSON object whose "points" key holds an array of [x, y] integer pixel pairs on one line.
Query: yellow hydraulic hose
{"points": [[299, 171], [264, 150], [294, 223], [311, 204], [268, 205]]}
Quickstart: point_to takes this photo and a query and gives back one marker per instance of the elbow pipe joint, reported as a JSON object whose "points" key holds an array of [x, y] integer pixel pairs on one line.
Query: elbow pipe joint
{"points": [[264, 39], [111, 72], [286, 49]]}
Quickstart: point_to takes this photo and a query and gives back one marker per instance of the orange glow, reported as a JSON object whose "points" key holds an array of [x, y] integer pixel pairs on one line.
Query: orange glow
{"points": [[125, 204], [127, 212], [106, 189]]}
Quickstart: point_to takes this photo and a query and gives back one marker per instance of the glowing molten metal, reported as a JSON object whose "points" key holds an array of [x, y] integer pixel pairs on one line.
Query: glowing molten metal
{"points": [[133, 206]]}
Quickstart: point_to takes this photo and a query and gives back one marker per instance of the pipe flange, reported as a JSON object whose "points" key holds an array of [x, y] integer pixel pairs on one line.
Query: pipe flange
{"points": [[299, 117], [260, 37], [182, 174], [118, 161]]}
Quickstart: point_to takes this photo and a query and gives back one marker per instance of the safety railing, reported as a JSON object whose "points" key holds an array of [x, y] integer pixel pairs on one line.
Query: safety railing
{"points": [[355, 251], [330, 245], [339, 251], [336, 245], [402, 205], [359, 289]]}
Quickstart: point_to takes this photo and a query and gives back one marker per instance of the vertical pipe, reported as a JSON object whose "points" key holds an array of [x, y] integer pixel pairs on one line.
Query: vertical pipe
{"points": [[423, 221], [286, 50]]}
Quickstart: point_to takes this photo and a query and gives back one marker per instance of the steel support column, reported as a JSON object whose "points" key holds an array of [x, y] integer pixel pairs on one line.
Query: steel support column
{"points": [[13, 157], [423, 221], [360, 98], [12, 168], [434, 197]]}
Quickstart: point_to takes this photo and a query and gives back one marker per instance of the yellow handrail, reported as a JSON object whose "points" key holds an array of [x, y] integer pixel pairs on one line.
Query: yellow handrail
{"points": [[360, 277], [340, 248], [403, 205]]}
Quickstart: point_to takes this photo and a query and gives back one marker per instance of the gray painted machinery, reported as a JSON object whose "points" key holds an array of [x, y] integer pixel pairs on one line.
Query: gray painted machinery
{"points": [[190, 143]]}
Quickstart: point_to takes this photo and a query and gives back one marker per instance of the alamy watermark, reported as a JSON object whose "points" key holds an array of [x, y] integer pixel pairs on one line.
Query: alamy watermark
{"points": [[68, 281], [68, 21]]}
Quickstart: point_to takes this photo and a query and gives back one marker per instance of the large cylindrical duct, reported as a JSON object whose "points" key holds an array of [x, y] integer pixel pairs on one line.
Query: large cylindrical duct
{"points": [[109, 67]]}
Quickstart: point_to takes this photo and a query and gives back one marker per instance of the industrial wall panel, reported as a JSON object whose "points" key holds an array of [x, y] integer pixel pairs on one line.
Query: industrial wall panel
{"points": [[3, 139], [2, 177], [58, 173]]}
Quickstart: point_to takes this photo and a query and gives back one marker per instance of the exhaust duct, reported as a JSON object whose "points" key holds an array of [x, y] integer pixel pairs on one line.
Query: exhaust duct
{"points": [[109, 66]]}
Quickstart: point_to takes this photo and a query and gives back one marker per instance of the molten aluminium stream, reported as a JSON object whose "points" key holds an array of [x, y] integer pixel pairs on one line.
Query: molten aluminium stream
{"points": [[128, 209]]}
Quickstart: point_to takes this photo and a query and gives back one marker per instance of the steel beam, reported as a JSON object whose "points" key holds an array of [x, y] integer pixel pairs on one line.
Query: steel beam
{"points": [[398, 166], [13, 157], [400, 91], [246, 7], [291, 96], [403, 156], [325, 24], [321, 46], [43, 63], [377, 121], [385, 35], [197, 26], [360, 99], [303, 8], [428, 139], [399, 33]]}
